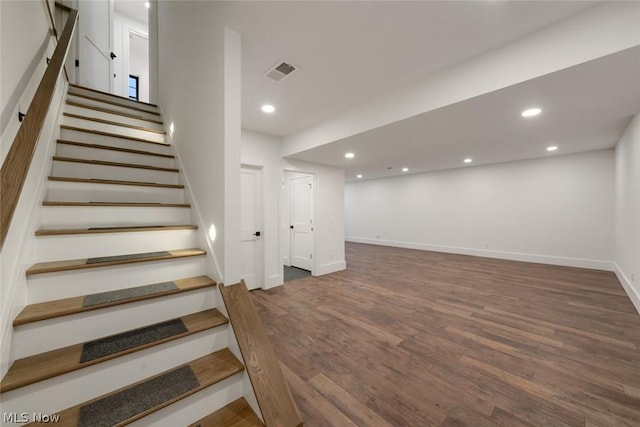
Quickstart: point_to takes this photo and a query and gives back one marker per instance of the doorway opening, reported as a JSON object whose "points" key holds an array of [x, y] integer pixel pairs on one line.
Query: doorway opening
{"points": [[298, 223]]}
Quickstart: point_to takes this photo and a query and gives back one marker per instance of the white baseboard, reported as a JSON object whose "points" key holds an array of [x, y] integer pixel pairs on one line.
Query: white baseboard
{"points": [[513, 256], [273, 281], [331, 267], [634, 294]]}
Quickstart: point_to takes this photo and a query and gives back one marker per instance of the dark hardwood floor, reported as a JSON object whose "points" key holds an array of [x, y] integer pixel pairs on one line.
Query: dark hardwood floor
{"points": [[415, 338]]}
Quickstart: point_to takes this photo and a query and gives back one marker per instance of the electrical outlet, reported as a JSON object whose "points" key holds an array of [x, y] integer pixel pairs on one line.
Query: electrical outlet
{"points": [[486, 245], [377, 236]]}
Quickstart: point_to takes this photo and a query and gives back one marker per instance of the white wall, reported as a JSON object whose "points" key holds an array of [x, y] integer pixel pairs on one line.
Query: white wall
{"points": [[123, 65], [193, 42], [557, 210], [263, 150], [627, 210]]}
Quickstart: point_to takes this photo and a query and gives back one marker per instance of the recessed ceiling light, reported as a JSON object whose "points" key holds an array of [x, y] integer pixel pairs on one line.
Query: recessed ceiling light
{"points": [[147, 4], [468, 160], [531, 112], [349, 155], [359, 176], [405, 169], [268, 108], [552, 148]]}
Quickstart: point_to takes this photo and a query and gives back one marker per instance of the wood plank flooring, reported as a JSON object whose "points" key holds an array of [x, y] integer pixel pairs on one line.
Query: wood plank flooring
{"points": [[416, 338]]}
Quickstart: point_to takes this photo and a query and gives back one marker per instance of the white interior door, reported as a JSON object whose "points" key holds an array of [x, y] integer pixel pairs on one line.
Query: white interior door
{"points": [[250, 226], [96, 44], [301, 197]]}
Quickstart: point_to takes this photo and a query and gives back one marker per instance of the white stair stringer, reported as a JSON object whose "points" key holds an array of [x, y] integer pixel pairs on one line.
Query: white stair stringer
{"points": [[111, 106], [69, 191], [65, 284], [49, 334], [63, 391], [74, 246], [106, 216], [92, 170], [82, 135], [113, 117], [119, 130]]}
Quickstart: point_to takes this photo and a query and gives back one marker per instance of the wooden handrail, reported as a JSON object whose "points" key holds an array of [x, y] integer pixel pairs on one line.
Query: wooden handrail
{"points": [[16, 165], [272, 392]]}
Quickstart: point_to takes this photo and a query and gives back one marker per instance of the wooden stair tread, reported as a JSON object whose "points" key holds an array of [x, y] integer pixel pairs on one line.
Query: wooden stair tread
{"points": [[109, 147], [114, 182], [112, 123], [119, 204], [79, 264], [117, 164], [208, 370], [111, 111], [272, 392], [64, 307], [111, 134], [43, 366], [236, 414], [74, 85], [121, 229], [112, 102]]}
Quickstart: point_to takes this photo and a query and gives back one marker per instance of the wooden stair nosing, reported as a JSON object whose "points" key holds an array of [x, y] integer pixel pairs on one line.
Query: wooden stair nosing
{"points": [[77, 86], [110, 111], [80, 264], [112, 148], [209, 370], [110, 102], [112, 135], [112, 123], [118, 204], [114, 182], [236, 414], [43, 366], [106, 230], [116, 164], [67, 306]]}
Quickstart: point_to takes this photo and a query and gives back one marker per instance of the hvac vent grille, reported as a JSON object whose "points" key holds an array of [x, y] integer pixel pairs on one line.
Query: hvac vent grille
{"points": [[280, 71]]}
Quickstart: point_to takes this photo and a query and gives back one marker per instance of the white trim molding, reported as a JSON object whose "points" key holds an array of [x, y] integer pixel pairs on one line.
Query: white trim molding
{"points": [[513, 256], [331, 267], [634, 294]]}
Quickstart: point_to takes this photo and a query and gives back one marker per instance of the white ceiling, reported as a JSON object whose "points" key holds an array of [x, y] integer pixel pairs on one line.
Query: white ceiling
{"points": [[585, 107], [350, 53]]}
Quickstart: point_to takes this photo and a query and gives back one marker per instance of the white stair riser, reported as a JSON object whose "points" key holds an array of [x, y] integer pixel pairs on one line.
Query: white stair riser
{"points": [[105, 216], [120, 101], [58, 393], [196, 406], [88, 153], [87, 170], [119, 130], [91, 138], [73, 246], [110, 106], [47, 335], [59, 191], [88, 112], [65, 284]]}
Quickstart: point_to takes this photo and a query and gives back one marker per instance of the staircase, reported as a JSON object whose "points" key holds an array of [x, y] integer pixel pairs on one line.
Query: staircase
{"points": [[122, 323]]}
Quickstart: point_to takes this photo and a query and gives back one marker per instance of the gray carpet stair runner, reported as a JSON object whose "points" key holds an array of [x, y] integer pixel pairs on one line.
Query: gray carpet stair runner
{"points": [[123, 294], [127, 403], [131, 339], [127, 257]]}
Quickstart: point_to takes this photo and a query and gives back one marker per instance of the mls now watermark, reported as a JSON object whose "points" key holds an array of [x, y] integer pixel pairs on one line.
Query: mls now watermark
{"points": [[25, 417]]}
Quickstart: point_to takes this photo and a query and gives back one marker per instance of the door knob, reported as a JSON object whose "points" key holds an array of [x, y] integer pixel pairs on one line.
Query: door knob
{"points": [[257, 234], [113, 55]]}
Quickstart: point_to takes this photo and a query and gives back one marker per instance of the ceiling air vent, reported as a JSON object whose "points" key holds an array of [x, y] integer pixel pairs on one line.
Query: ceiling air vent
{"points": [[280, 71]]}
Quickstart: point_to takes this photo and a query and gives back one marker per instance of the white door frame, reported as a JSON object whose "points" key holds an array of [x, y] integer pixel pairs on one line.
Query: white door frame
{"points": [[261, 270], [126, 60], [286, 220]]}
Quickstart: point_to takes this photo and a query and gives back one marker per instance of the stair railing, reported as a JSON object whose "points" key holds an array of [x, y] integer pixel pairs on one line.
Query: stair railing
{"points": [[16, 165]]}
